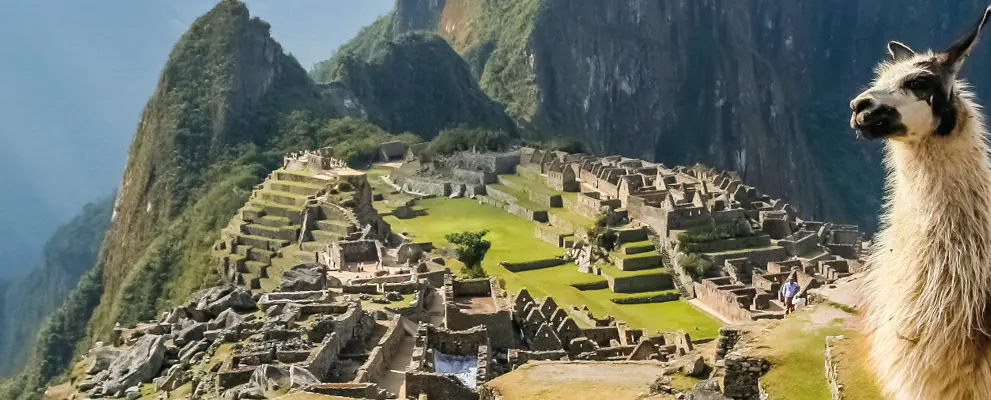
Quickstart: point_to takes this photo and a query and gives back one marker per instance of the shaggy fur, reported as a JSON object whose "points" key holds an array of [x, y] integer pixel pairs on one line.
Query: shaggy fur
{"points": [[929, 282]]}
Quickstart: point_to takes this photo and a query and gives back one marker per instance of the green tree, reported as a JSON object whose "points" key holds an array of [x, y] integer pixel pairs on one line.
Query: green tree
{"points": [[471, 251]]}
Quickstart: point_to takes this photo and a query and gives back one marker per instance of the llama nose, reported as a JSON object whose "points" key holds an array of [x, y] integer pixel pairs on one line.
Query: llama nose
{"points": [[861, 103], [873, 114]]}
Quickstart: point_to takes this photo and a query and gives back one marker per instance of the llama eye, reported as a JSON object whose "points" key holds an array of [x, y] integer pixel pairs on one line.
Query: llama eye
{"points": [[917, 84]]}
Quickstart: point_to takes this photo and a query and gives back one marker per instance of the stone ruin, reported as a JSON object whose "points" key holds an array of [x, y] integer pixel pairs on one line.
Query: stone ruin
{"points": [[463, 174], [749, 266], [300, 209]]}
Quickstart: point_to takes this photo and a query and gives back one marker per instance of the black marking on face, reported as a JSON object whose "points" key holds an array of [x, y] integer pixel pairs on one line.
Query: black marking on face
{"points": [[932, 88]]}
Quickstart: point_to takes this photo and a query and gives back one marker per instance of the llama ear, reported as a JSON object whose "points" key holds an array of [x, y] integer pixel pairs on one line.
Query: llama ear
{"points": [[959, 51], [899, 51]]}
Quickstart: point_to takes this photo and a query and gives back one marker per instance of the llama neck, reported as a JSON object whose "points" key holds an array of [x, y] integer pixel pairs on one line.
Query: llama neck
{"points": [[936, 245], [944, 182]]}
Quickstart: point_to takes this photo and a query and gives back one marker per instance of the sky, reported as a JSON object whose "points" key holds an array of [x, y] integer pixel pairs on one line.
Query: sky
{"points": [[75, 77]]}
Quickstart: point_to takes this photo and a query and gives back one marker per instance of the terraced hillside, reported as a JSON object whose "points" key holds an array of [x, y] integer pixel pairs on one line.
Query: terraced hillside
{"points": [[290, 217]]}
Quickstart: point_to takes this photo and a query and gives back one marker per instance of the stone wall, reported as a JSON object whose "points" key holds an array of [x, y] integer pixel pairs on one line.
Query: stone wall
{"points": [[742, 374], [427, 187], [436, 386], [519, 357], [325, 356], [551, 234], [529, 171], [474, 177], [546, 199], [602, 334], [348, 390], [381, 355], [731, 244], [727, 340], [565, 223], [526, 213], [831, 375], [722, 301], [471, 287], [807, 243], [499, 195], [759, 256], [641, 283], [532, 265]]}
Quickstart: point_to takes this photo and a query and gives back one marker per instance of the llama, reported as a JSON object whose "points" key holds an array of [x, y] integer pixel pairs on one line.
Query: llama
{"points": [[928, 285]]}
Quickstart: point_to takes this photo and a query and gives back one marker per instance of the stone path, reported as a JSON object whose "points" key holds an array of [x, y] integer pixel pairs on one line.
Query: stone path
{"points": [[394, 378]]}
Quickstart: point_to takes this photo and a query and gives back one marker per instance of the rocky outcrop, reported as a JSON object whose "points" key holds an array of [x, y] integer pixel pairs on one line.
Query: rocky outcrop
{"points": [[138, 365], [304, 277]]}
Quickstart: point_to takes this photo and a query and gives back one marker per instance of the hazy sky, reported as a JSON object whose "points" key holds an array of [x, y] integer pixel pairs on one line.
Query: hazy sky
{"points": [[75, 77]]}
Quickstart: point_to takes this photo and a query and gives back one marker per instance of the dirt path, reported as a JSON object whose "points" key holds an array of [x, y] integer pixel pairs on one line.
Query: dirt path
{"points": [[394, 378], [436, 309]]}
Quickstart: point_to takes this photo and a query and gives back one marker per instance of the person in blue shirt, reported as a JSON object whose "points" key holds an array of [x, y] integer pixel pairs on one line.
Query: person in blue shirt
{"points": [[788, 291]]}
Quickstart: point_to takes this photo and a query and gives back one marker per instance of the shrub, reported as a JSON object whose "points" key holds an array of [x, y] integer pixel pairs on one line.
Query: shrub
{"points": [[471, 249], [461, 138], [695, 265]]}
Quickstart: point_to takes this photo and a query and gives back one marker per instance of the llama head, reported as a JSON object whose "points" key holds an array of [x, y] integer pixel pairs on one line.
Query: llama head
{"points": [[914, 95]]}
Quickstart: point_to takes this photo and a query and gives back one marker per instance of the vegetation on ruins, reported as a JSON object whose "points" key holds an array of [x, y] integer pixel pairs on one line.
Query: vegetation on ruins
{"points": [[711, 233], [567, 145], [600, 236], [463, 137], [471, 249], [694, 264]]}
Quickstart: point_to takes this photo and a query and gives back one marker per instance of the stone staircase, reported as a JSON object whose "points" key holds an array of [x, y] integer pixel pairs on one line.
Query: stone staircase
{"points": [[283, 224]]}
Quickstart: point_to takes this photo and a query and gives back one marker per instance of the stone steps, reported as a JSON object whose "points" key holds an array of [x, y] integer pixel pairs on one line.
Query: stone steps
{"points": [[626, 235], [262, 255], [324, 236], [287, 198], [282, 233], [262, 242], [293, 176], [343, 228], [638, 262], [293, 213], [251, 213], [242, 250], [638, 247], [313, 246], [273, 221], [254, 267], [305, 256], [300, 188]]}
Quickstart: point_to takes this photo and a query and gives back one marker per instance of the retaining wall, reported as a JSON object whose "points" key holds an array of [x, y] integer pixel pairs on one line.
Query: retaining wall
{"points": [[381, 355], [532, 265]]}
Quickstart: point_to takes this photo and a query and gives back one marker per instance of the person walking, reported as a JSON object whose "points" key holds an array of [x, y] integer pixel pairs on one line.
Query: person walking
{"points": [[788, 291]]}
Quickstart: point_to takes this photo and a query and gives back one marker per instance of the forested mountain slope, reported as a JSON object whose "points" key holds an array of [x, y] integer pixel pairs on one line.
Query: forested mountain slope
{"points": [[757, 86]]}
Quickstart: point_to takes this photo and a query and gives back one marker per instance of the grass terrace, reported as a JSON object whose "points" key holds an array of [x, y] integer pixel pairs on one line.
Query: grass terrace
{"points": [[615, 272], [522, 199], [796, 345], [513, 241]]}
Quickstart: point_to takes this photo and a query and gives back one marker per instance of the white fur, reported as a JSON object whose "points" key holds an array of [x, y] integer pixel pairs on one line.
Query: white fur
{"points": [[928, 285]]}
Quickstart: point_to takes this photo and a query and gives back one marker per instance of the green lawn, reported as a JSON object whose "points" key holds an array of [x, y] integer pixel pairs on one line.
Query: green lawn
{"points": [[539, 187], [796, 346], [615, 272], [513, 241], [522, 199]]}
